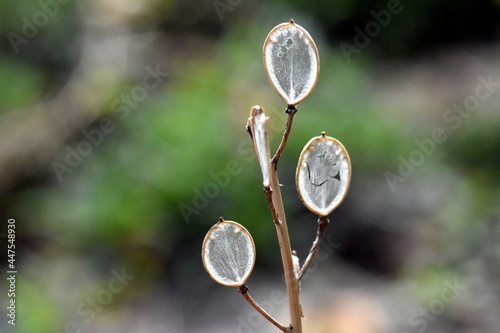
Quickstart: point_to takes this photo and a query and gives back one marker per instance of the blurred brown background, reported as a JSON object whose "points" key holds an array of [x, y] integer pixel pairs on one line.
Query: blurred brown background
{"points": [[122, 140]]}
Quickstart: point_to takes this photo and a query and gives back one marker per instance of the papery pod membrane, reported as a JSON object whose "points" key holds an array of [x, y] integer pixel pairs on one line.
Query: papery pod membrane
{"points": [[323, 174], [228, 253], [291, 61], [257, 124]]}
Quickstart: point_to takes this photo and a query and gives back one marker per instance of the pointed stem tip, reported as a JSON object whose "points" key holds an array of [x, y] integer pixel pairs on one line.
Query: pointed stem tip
{"points": [[255, 110]]}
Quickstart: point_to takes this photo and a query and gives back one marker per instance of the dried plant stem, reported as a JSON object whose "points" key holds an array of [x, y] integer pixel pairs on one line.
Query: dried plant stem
{"points": [[244, 291], [290, 110], [322, 224], [275, 201]]}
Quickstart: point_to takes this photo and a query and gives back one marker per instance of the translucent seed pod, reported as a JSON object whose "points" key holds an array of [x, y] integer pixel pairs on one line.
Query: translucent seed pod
{"points": [[291, 61], [323, 174], [228, 253]]}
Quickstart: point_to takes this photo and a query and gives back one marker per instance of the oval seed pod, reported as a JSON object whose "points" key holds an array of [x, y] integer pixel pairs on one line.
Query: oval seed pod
{"points": [[323, 174], [228, 253], [291, 61]]}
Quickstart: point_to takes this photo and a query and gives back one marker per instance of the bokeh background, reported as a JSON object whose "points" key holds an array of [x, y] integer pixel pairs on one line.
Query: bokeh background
{"points": [[118, 121]]}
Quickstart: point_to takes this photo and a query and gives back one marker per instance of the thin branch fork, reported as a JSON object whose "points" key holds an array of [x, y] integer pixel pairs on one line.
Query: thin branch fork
{"points": [[244, 291], [323, 222], [269, 196]]}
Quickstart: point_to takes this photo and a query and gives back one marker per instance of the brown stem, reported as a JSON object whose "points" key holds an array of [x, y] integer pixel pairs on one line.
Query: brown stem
{"points": [[290, 110], [322, 224], [275, 201], [269, 197], [244, 291]]}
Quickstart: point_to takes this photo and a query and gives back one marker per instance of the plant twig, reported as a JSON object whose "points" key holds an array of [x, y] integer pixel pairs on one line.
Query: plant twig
{"points": [[322, 224], [275, 202], [244, 291], [290, 110]]}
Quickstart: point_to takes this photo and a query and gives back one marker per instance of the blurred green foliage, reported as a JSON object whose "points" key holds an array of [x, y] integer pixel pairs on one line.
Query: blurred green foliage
{"points": [[166, 150], [123, 203], [21, 85]]}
